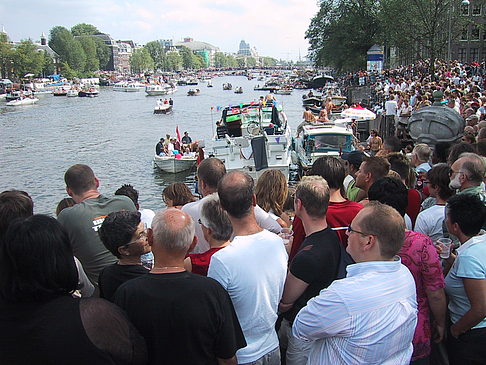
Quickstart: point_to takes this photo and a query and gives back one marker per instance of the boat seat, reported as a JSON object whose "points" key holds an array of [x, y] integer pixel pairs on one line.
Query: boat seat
{"points": [[269, 130], [221, 131]]}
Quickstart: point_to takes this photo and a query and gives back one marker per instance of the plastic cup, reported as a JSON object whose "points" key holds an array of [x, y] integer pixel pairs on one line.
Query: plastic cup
{"points": [[286, 234], [445, 246]]}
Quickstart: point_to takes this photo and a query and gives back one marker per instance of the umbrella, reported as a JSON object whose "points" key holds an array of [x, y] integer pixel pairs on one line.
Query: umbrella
{"points": [[358, 113]]}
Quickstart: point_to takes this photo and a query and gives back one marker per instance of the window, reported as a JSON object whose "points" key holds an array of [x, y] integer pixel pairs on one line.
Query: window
{"points": [[462, 54], [476, 9], [464, 34], [465, 9], [475, 32], [474, 53]]}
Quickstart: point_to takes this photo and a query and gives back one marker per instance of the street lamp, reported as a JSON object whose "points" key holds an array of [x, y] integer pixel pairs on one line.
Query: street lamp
{"points": [[449, 43]]}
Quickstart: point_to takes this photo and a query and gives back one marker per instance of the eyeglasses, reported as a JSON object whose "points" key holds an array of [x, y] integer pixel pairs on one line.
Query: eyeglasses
{"points": [[350, 229], [142, 235], [452, 172], [201, 223]]}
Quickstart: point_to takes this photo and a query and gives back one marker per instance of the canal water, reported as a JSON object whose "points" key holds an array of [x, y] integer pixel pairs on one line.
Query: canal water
{"points": [[115, 134]]}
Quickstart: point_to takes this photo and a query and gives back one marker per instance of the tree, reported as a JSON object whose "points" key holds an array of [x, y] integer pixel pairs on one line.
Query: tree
{"points": [[241, 62], [84, 29], [67, 71], [187, 60], [174, 61], [76, 56], [231, 61], [198, 61], [157, 53], [48, 67], [140, 61], [26, 59], [89, 47], [251, 62], [269, 61], [220, 60], [341, 33], [102, 52], [6, 55], [59, 40]]}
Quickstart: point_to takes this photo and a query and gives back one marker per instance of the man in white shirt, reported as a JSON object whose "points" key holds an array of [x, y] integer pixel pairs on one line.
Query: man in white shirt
{"points": [[252, 269], [390, 114], [369, 317], [209, 173]]}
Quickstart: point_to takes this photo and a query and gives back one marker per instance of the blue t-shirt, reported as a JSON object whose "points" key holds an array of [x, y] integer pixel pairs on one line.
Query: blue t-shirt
{"points": [[470, 264]]}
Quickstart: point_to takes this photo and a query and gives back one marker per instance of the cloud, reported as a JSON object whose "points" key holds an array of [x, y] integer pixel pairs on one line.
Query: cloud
{"points": [[275, 27]]}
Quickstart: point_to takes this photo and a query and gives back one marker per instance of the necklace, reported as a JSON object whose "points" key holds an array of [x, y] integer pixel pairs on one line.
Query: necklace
{"points": [[162, 268]]}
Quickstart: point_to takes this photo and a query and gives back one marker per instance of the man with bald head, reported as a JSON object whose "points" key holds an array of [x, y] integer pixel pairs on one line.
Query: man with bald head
{"points": [[467, 175], [369, 317], [252, 268], [185, 318]]}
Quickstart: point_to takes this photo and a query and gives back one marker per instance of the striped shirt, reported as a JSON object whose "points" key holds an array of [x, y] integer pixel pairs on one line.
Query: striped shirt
{"points": [[367, 318]]}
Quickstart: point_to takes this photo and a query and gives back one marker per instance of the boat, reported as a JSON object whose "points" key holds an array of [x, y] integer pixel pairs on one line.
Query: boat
{"points": [[321, 139], [312, 100], [284, 91], [253, 138], [159, 89], [227, 86], [88, 92], [72, 93], [128, 86], [210, 84], [14, 95], [59, 92], [163, 109], [193, 92], [174, 164], [239, 90], [192, 82], [22, 101]]}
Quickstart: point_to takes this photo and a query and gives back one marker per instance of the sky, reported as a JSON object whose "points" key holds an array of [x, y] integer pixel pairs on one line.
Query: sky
{"points": [[275, 27]]}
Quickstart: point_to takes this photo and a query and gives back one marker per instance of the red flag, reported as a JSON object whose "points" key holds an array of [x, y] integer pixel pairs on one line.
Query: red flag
{"points": [[178, 134]]}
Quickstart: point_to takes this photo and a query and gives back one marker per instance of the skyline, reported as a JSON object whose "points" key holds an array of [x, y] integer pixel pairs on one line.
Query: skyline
{"points": [[271, 26]]}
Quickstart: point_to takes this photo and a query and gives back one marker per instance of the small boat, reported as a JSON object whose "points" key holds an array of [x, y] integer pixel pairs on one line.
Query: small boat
{"points": [[175, 164], [193, 92], [210, 84], [90, 93], [239, 90], [227, 86], [159, 89], [192, 82], [284, 91], [128, 86], [59, 92], [22, 101], [14, 95], [163, 109], [72, 93]]}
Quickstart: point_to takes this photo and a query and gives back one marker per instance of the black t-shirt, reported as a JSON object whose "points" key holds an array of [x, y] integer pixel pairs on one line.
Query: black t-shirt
{"points": [[317, 264], [185, 318], [115, 275]]}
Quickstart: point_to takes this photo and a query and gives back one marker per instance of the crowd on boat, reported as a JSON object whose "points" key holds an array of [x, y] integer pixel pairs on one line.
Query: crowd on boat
{"points": [[172, 146]]}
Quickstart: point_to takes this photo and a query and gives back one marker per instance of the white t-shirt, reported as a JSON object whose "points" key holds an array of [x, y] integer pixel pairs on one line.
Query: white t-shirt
{"points": [[390, 107], [252, 269], [429, 222], [347, 181], [263, 219]]}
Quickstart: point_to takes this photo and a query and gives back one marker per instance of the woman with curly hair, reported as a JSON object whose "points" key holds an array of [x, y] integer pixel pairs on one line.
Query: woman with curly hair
{"points": [[271, 193]]}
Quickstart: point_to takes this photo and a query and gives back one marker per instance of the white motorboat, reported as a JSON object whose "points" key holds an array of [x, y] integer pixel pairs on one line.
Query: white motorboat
{"points": [[252, 138], [163, 109], [175, 164], [72, 93], [283, 91], [159, 89], [321, 139], [22, 101], [128, 86]]}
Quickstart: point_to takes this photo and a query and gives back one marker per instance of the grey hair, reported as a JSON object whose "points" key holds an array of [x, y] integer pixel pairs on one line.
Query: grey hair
{"points": [[422, 151], [168, 233], [313, 192], [474, 166], [215, 218]]}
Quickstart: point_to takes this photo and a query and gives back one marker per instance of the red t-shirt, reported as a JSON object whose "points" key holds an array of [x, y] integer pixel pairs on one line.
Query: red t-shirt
{"points": [[413, 207], [200, 261], [339, 215]]}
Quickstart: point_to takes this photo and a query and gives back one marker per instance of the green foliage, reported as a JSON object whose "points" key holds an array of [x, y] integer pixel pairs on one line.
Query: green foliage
{"points": [[6, 55], [187, 59], [140, 61], [84, 29], [48, 67], [198, 61], [76, 55], [251, 62], [174, 61], [102, 52], [59, 40], [89, 47], [26, 59], [231, 61], [341, 33], [221, 60], [269, 61], [241, 62], [67, 71], [157, 53]]}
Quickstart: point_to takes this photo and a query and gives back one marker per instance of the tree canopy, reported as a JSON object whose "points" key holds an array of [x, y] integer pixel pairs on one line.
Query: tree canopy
{"points": [[140, 61], [84, 29]]}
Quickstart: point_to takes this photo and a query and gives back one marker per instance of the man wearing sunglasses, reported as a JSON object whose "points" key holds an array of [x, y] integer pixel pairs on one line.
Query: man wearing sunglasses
{"points": [[369, 317]]}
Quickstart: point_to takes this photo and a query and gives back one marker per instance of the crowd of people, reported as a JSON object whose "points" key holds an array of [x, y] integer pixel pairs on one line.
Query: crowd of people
{"points": [[386, 262]]}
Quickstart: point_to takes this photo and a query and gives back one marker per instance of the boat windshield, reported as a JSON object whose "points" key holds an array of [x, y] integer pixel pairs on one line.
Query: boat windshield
{"points": [[331, 141]]}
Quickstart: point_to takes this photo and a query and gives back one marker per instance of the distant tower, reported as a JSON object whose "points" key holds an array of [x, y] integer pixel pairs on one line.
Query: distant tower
{"points": [[43, 39], [3, 32]]}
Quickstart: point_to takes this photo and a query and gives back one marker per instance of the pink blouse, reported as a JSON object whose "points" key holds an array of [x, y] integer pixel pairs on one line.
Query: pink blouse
{"points": [[420, 256]]}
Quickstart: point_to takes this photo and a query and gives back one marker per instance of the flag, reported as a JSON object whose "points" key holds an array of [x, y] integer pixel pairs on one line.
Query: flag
{"points": [[178, 134]]}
